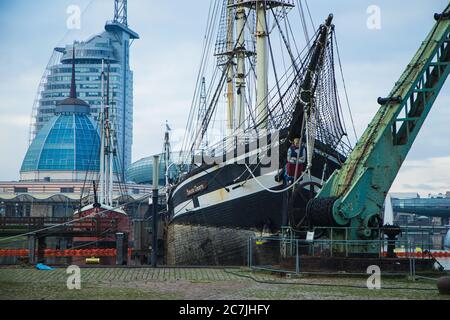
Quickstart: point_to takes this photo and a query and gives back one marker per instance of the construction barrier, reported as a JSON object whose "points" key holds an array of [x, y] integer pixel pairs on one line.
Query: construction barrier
{"points": [[419, 255], [48, 253], [63, 253]]}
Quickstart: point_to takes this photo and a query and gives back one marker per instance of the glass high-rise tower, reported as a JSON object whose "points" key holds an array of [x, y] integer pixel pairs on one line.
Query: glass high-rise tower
{"points": [[110, 47]]}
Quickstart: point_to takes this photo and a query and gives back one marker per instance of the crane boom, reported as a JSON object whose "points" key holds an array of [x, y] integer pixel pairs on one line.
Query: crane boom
{"points": [[354, 195]]}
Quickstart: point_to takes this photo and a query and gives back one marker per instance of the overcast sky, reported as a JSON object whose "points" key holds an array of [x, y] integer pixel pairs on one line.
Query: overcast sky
{"points": [[165, 63]]}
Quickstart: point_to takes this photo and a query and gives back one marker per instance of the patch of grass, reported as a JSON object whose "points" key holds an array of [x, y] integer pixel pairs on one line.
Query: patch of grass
{"points": [[200, 281], [151, 284], [59, 291]]}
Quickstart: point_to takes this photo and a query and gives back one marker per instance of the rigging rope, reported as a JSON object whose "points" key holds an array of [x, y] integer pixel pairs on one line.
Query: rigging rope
{"points": [[345, 88], [275, 191], [325, 117]]}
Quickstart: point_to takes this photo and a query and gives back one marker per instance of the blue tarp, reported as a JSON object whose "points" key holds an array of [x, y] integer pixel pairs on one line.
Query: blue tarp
{"points": [[41, 266]]}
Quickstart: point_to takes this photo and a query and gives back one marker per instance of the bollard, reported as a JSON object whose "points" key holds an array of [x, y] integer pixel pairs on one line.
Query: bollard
{"points": [[32, 249], [121, 248], [443, 285]]}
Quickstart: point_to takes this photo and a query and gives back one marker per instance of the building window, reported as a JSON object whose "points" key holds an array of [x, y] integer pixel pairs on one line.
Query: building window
{"points": [[62, 210], [20, 190], [67, 190]]}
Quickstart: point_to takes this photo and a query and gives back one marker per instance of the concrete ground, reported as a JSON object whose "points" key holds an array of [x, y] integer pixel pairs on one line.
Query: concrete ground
{"points": [[199, 284]]}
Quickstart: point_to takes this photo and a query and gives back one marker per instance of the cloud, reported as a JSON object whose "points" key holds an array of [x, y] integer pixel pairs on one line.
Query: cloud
{"points": [[166, 58], [426, 176], [14, 120]]}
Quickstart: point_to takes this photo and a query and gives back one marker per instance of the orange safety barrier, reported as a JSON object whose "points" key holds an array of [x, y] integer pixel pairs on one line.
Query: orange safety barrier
{"points": [[435, 254], [111, 252]]}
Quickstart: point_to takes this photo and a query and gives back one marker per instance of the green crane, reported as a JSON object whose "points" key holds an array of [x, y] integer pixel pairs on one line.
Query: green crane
{"points": [[354, 196]]}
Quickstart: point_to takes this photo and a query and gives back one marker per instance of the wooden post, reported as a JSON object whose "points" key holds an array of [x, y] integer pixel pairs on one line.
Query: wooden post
{"points": [[41, 249], [121, 248], [32, 249], [155, 211]]}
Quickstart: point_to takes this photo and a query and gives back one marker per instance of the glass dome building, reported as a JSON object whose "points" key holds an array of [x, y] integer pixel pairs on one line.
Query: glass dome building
{"points": [[67, 147], [141, 171]]}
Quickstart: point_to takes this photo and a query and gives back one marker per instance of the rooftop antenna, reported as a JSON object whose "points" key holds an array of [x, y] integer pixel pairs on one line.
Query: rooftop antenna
{"points": [[73, 87], [120, 12]]}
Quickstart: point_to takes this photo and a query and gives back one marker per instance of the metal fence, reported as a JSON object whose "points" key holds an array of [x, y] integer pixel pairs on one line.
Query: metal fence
{"points": [[289, 254]]}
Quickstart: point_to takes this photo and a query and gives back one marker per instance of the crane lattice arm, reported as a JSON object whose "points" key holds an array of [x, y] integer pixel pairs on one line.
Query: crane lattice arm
{"points": [[354, 195]]}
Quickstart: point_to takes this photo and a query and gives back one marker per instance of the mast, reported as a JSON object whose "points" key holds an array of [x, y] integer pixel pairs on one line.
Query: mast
{"points": [[240, 76], [167, 146], [102, 137], [230, 73], [110, 142], [107, 147], [202, 113], [262, 88]]}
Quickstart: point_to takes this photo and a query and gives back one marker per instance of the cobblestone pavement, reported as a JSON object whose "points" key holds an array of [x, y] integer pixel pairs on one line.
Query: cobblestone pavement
{"points": [[198, 284]]}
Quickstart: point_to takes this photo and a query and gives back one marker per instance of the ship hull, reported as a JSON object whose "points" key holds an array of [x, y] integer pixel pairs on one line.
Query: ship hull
{"points": [[227, 195], [253, 210]]}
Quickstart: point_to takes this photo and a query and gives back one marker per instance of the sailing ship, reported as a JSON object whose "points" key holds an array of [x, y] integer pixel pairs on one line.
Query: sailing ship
{"points": [[266, 97], [102, 205]]}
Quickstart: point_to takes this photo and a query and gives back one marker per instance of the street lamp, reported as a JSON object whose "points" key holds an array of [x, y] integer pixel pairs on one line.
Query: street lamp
{"points": [[155, 210]]}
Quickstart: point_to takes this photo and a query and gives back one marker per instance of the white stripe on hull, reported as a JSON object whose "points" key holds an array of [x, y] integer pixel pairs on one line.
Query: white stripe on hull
{"points": [[222, 196]]}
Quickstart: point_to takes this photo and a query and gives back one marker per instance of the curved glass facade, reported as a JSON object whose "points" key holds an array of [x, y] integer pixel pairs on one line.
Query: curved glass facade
{"points": [[141, 171], [68, 142], [111, 47], [423, 206]]}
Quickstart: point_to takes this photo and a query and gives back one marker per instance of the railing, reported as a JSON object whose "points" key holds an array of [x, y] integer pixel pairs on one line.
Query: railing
{"points": [[276, 254], [30, 224], [328, 245], [421, 236]]}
